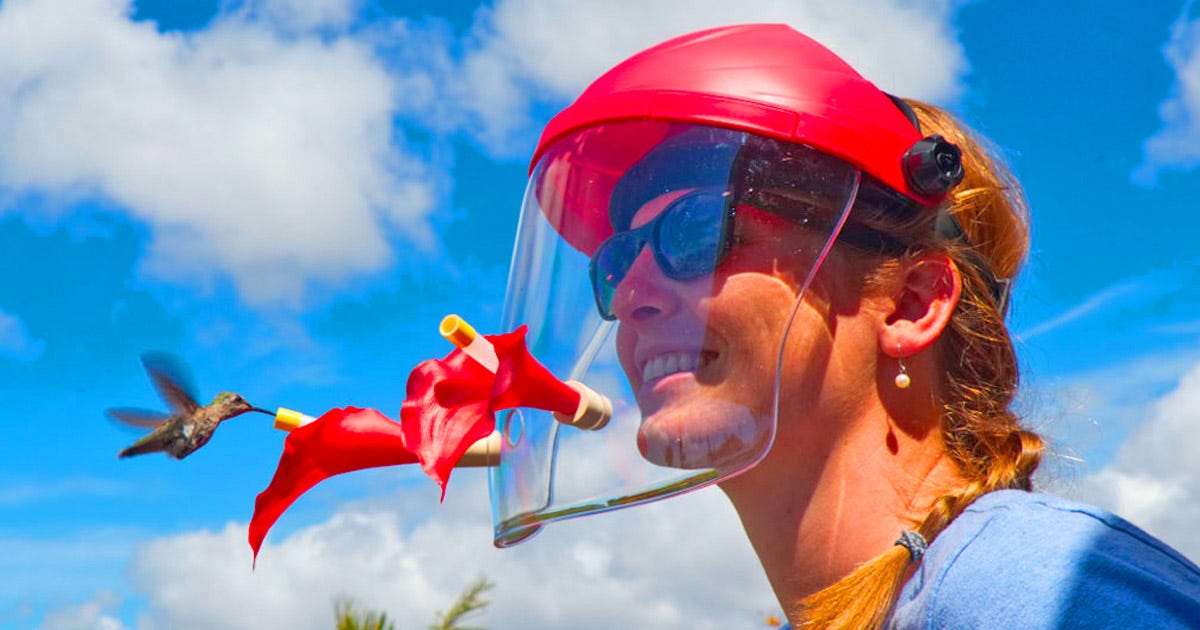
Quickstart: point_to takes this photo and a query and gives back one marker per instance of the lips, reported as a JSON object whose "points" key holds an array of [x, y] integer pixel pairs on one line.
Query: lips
{"points": [[668, 363]]}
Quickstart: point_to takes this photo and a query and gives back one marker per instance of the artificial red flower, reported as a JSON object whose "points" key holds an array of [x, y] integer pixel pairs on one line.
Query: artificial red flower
{"points": [[450, 405]]}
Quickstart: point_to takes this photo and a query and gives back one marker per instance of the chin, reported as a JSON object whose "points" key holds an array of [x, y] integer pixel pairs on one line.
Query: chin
{"points": [[706, 433]]}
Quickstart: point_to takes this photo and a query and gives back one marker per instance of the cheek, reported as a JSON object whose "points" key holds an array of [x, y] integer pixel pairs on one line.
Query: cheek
{"points": [[749, 312], [626, 343], [753, 294], [788, 257]]}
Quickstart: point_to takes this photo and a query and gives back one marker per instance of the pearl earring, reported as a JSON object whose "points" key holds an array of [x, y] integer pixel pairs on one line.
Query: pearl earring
{"points": [[902, 379]]}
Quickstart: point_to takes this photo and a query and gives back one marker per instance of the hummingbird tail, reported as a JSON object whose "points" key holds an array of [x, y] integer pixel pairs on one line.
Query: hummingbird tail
{"points": [[139, 448]]}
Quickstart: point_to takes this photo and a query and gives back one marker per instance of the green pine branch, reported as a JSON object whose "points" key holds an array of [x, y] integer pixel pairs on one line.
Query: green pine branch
{"points": [[350, 617], [471, 600]]}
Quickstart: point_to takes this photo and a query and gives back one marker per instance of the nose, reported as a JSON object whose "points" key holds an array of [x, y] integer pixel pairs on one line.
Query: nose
{"points": [[645, 293]]}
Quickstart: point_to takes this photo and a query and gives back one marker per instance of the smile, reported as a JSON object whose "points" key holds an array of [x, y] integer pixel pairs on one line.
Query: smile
{"points": [[673, 363]]}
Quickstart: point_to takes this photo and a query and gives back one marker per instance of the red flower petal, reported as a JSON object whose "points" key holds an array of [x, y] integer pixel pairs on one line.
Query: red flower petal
{"points": [[446, 412], [340, 441], [521, 381]]}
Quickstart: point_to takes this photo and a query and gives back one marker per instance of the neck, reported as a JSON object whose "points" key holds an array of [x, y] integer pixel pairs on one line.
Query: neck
{"points": [[814, 512]]}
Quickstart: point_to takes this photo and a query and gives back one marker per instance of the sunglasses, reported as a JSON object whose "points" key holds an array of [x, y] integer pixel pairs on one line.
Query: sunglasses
{"points": [[689, 239], [692, 235]]}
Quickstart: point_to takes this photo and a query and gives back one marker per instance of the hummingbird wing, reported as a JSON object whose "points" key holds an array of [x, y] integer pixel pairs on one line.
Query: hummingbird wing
{"points": [[138, 417], [172, 379]]}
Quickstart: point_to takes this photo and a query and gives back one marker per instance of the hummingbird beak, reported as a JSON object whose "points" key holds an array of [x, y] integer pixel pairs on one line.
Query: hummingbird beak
{"points": [[261, 410]]}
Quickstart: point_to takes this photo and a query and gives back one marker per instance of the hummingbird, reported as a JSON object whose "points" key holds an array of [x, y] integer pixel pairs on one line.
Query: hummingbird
{"points": [[189, 425]]}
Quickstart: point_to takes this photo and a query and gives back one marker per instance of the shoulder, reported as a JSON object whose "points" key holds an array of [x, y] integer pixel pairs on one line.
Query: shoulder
{"points": [[1020, 559]]}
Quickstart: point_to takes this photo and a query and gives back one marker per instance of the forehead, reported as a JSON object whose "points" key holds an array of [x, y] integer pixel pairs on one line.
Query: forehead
{"points": [[749, 215], [781, 214], [655, 206]]}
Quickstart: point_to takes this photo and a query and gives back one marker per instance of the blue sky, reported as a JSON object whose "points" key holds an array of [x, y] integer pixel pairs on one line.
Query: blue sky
{"points": [[289, 195]]}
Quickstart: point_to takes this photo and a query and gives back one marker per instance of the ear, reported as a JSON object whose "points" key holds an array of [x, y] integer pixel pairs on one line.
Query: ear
{"points": [[921, 305]]}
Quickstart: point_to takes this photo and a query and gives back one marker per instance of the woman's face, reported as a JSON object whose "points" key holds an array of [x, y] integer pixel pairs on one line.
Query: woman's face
{"points": [[701, 355]]}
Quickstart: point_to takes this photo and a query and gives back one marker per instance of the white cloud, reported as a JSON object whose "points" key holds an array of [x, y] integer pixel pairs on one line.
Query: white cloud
{"points": [[526, 52], [306, 15], [1123, 434], [15, 341], [90, 615], [263, 149], [684, 562], [1132, 294], [1089, 305], [1089, 415], [63, 565], [265, 158], [1154, 480], [1176, 146], [17, 492]]}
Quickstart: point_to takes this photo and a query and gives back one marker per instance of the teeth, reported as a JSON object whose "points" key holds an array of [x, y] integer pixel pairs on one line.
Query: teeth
{"points": [[671, 363]]}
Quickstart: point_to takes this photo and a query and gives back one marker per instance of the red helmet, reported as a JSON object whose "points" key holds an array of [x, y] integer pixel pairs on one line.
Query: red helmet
{"points": [[770, 80]]}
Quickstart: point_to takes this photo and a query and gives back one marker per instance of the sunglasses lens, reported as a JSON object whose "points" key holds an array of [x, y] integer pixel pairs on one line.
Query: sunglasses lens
{"points": [[609, 266], [689, 241], [691, 236]]}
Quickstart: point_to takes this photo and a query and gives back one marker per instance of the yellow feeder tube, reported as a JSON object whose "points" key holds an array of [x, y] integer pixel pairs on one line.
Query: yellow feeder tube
{"points": [[458, 332], [290, 419]]}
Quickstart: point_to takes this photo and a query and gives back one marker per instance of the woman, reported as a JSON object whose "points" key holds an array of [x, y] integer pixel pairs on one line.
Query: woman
{"points": [[809, 281]]}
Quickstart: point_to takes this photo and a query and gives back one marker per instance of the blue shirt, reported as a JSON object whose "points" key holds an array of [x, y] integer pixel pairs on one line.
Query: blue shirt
{"points": [[1016, 560], [1019, 560]]}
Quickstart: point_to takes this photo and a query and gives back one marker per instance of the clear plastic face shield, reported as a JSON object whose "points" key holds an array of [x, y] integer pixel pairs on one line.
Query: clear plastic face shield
{"points": [[661, 264]]}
